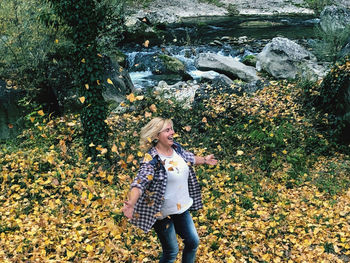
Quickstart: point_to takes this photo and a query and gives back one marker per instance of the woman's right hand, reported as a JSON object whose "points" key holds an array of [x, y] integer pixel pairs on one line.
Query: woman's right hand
{"points": [[128, 209]]}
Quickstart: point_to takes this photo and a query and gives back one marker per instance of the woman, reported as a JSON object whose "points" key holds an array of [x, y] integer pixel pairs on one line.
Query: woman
{"points": [[164, 190]]}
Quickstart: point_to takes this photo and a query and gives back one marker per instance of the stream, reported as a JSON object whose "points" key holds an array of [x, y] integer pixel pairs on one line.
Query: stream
{"points": [[229, 36]]}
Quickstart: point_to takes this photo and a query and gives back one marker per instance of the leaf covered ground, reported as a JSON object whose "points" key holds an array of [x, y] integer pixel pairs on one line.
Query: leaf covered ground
{"points": [[280, 192]]}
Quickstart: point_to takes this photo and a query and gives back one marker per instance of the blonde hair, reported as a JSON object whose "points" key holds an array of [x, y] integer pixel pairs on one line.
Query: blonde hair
{"points": [[151, 130]]}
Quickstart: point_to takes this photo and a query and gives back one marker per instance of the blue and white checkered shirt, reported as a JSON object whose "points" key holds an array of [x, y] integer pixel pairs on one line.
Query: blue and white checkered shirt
{"points": [[151, 179]]}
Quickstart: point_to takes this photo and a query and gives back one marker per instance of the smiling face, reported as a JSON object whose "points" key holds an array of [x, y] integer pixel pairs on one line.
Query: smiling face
{"points": [[166, 136]]}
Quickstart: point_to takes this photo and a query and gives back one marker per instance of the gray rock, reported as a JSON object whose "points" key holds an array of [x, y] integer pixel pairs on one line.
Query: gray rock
{"points": [[181, 91], [285, 59], [334, 18], [226, 65]]}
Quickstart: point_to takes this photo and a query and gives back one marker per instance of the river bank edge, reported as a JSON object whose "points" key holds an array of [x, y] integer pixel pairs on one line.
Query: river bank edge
{"points": [[181, 11]]}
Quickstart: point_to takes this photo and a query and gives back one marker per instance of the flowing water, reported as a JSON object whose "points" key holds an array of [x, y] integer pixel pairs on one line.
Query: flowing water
{"points": [[228, 36]]}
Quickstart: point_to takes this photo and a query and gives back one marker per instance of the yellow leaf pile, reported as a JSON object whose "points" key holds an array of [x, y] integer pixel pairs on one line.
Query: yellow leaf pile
{"points": [[56, 205]]}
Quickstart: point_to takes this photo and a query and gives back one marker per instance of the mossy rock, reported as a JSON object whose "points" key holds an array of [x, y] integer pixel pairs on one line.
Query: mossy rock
{"points": [[249, 60], [172, 65]]}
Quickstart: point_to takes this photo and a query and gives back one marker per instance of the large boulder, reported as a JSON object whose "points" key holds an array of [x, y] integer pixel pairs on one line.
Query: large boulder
{"points": [[168, 67], [334, 18], [215, 79], [227, 66], [182, 91], [285, 59], [335, 21]]}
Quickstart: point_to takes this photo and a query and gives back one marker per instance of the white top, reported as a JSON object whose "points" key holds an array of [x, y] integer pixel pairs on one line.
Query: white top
{"points": [[176, 198]]}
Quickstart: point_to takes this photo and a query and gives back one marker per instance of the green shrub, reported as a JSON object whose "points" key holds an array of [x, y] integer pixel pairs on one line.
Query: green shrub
{"points": [[32, 46], [332, 100], [86, 20]]}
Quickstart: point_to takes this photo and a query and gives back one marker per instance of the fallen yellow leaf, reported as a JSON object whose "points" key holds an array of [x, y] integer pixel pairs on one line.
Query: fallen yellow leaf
{"points": [[89, 248], [82, 99], [153, 108]]}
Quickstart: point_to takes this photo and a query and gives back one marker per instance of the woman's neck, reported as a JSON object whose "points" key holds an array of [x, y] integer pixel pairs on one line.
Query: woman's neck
{"points": [[164, 150]]}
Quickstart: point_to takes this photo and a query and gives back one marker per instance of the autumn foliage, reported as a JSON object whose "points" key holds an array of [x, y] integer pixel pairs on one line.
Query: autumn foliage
{"points": [[279, 193]]}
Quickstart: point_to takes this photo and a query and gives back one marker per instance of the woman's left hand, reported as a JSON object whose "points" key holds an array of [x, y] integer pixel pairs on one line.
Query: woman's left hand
{"points": [[210, 159]]}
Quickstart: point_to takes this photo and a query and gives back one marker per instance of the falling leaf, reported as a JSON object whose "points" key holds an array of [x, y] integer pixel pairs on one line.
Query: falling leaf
{"points": [[131, 97], [147, 158], [123, 164], [82, 99], [139, 97], [150, 177], [109, 81], [146, 44], [239, 152], [153, 108], [99, 55], [159, 214], [87, 86], [10, 126], [114, 148], [83, 60], [56, 41], [130, 158], [98, 82], [204, 120], [187, 128], [171, 169], [178, 206], [173, 163]]}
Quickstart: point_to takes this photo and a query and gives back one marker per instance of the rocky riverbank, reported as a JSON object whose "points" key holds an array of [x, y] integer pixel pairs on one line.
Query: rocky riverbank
{"points": [[172, 11]]}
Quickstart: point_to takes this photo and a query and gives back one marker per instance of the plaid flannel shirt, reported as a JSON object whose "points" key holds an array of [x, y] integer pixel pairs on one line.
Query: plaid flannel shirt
{"points": [[151, 179]]}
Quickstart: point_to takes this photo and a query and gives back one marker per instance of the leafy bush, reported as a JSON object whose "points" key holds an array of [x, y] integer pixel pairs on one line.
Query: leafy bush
{"points": [[332, 99], [85, 21], [32, 47]]}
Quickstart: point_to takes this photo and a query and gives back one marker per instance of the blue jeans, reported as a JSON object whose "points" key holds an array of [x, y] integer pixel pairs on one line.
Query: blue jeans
{"points": [[167, 228]]}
